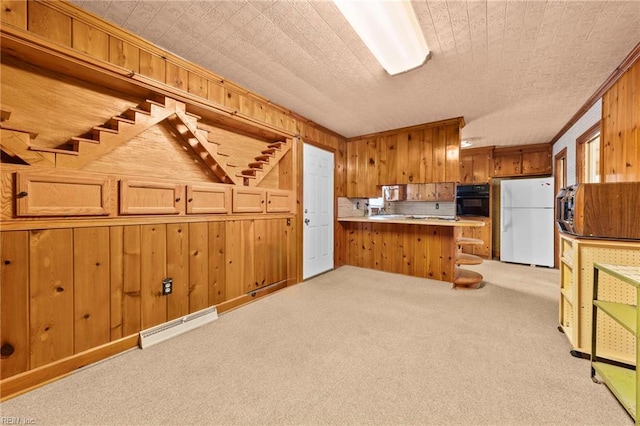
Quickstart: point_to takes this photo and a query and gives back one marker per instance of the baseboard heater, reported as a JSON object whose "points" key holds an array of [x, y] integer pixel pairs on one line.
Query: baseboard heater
{"points": [[167, 330]]}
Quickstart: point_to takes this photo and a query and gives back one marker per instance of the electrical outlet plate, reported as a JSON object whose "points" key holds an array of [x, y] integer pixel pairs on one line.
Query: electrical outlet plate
{"points": [[167, 286]]}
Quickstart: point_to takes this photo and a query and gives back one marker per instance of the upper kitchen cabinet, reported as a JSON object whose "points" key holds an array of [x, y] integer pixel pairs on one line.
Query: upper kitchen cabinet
{"points": [[476, 165], [362, 168], [419, 154], [528, 160]]}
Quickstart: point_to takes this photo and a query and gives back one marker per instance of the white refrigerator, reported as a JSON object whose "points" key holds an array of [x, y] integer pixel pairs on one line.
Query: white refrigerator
{"points": [[527, 221]]}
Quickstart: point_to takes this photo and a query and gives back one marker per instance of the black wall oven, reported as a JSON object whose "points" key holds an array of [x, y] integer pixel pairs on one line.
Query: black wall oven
{"points": [[472, 200]]}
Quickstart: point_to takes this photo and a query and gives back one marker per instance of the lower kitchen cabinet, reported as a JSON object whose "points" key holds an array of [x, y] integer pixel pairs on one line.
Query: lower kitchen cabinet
{"points": [[577, 259]]}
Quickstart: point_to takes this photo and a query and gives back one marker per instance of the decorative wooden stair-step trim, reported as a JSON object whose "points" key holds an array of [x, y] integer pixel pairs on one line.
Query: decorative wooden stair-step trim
{"points": [[468, 259], [464, 241], [117, 130], [464, 278], [186, 125], [264, 163]]}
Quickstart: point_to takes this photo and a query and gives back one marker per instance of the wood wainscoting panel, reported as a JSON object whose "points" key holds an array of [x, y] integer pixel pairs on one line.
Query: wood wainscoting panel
{"points": [[217, 263], [91, 276], [179, 237], [153, 269], [198, 291], [51, 295], [14, 303]]}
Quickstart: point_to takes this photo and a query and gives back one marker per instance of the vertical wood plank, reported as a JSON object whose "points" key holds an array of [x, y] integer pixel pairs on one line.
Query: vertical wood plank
{"points": [[439, 154], [90, 40], [408, 235], [414, 147], [51, 295], [383, 159], [352, 169], [367, 246], [392, 159], [217, 263], [234, 258], [248, 255], [152, 66], [419, 253], [124, 54], [197, 85], [447, 253], [153, 269], [14, 13], [377, 242], [14, 302], [116, 265], [176, 76], [215, 92], [452, 153], [178, 268], [266, 253], [426, 164], [402, 157], [198, 290], [371, 164], [92, 325], [132, 297], [49, 23]]}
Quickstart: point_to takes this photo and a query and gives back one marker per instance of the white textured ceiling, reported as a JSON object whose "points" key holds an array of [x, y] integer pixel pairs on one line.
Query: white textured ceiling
{"points": [[517, 71]]}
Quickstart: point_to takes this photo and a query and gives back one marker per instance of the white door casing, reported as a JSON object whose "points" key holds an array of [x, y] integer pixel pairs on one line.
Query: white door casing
{"points": [[317, 211]]}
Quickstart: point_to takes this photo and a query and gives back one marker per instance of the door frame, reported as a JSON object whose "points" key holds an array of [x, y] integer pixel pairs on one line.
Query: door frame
{"points": [[559, 182], [337, 246]]}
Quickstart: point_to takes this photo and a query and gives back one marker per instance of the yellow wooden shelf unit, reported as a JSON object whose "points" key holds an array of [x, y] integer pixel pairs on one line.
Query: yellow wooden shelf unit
{"points": [[623, 381]]}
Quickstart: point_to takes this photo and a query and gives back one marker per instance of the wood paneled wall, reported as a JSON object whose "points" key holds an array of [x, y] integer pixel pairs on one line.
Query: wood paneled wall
{"points": [[421, 251], [620, 132], [65, 291]]}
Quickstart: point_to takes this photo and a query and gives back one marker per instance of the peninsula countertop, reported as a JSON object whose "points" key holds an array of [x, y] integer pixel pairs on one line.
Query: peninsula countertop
{"points": [[412, 220]]}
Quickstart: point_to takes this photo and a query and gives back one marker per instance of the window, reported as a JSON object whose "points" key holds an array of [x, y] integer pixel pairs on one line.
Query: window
{"points": [[588, 155]]}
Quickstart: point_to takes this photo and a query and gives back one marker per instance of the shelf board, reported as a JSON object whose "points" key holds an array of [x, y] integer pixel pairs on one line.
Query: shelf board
{"points": [[567, 261], [621, 381], [628, 274], [625, 315]]}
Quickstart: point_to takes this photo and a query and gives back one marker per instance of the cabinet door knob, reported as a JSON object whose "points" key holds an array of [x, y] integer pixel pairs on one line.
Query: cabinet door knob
{"points": [[22, 194], [190, 200], [177, 199]]}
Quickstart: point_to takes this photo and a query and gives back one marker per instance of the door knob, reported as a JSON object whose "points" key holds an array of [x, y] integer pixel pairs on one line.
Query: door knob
{"points": [[306, 221]]}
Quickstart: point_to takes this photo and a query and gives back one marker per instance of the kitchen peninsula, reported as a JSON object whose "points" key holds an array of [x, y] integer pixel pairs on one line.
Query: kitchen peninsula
{"points": [[410, 245]]}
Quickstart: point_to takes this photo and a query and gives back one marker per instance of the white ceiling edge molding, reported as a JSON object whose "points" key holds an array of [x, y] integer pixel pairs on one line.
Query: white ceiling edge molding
{"points": [[390, 30]]}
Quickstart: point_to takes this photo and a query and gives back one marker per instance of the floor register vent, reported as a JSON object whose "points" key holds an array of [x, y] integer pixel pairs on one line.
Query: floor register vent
{"points": [[167, 330]]}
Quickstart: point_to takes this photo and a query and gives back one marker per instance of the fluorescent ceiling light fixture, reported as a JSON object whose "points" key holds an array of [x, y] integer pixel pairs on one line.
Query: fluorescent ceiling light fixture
{"points": [[390, 30]]}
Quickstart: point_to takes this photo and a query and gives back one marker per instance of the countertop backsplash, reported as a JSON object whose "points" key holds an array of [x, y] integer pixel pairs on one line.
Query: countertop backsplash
{"points": [[427, 208], [354, 207]]}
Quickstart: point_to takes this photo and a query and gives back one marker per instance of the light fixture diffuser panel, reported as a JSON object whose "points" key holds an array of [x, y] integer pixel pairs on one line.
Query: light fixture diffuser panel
{"points": [[390, 30]]}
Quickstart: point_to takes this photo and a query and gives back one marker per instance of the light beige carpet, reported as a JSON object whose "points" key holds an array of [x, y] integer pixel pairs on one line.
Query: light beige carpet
{"points": [[352, 346]]}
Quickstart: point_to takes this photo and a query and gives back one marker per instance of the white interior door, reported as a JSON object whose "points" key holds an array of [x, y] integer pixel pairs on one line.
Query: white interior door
{"points": [[317, 211]]}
